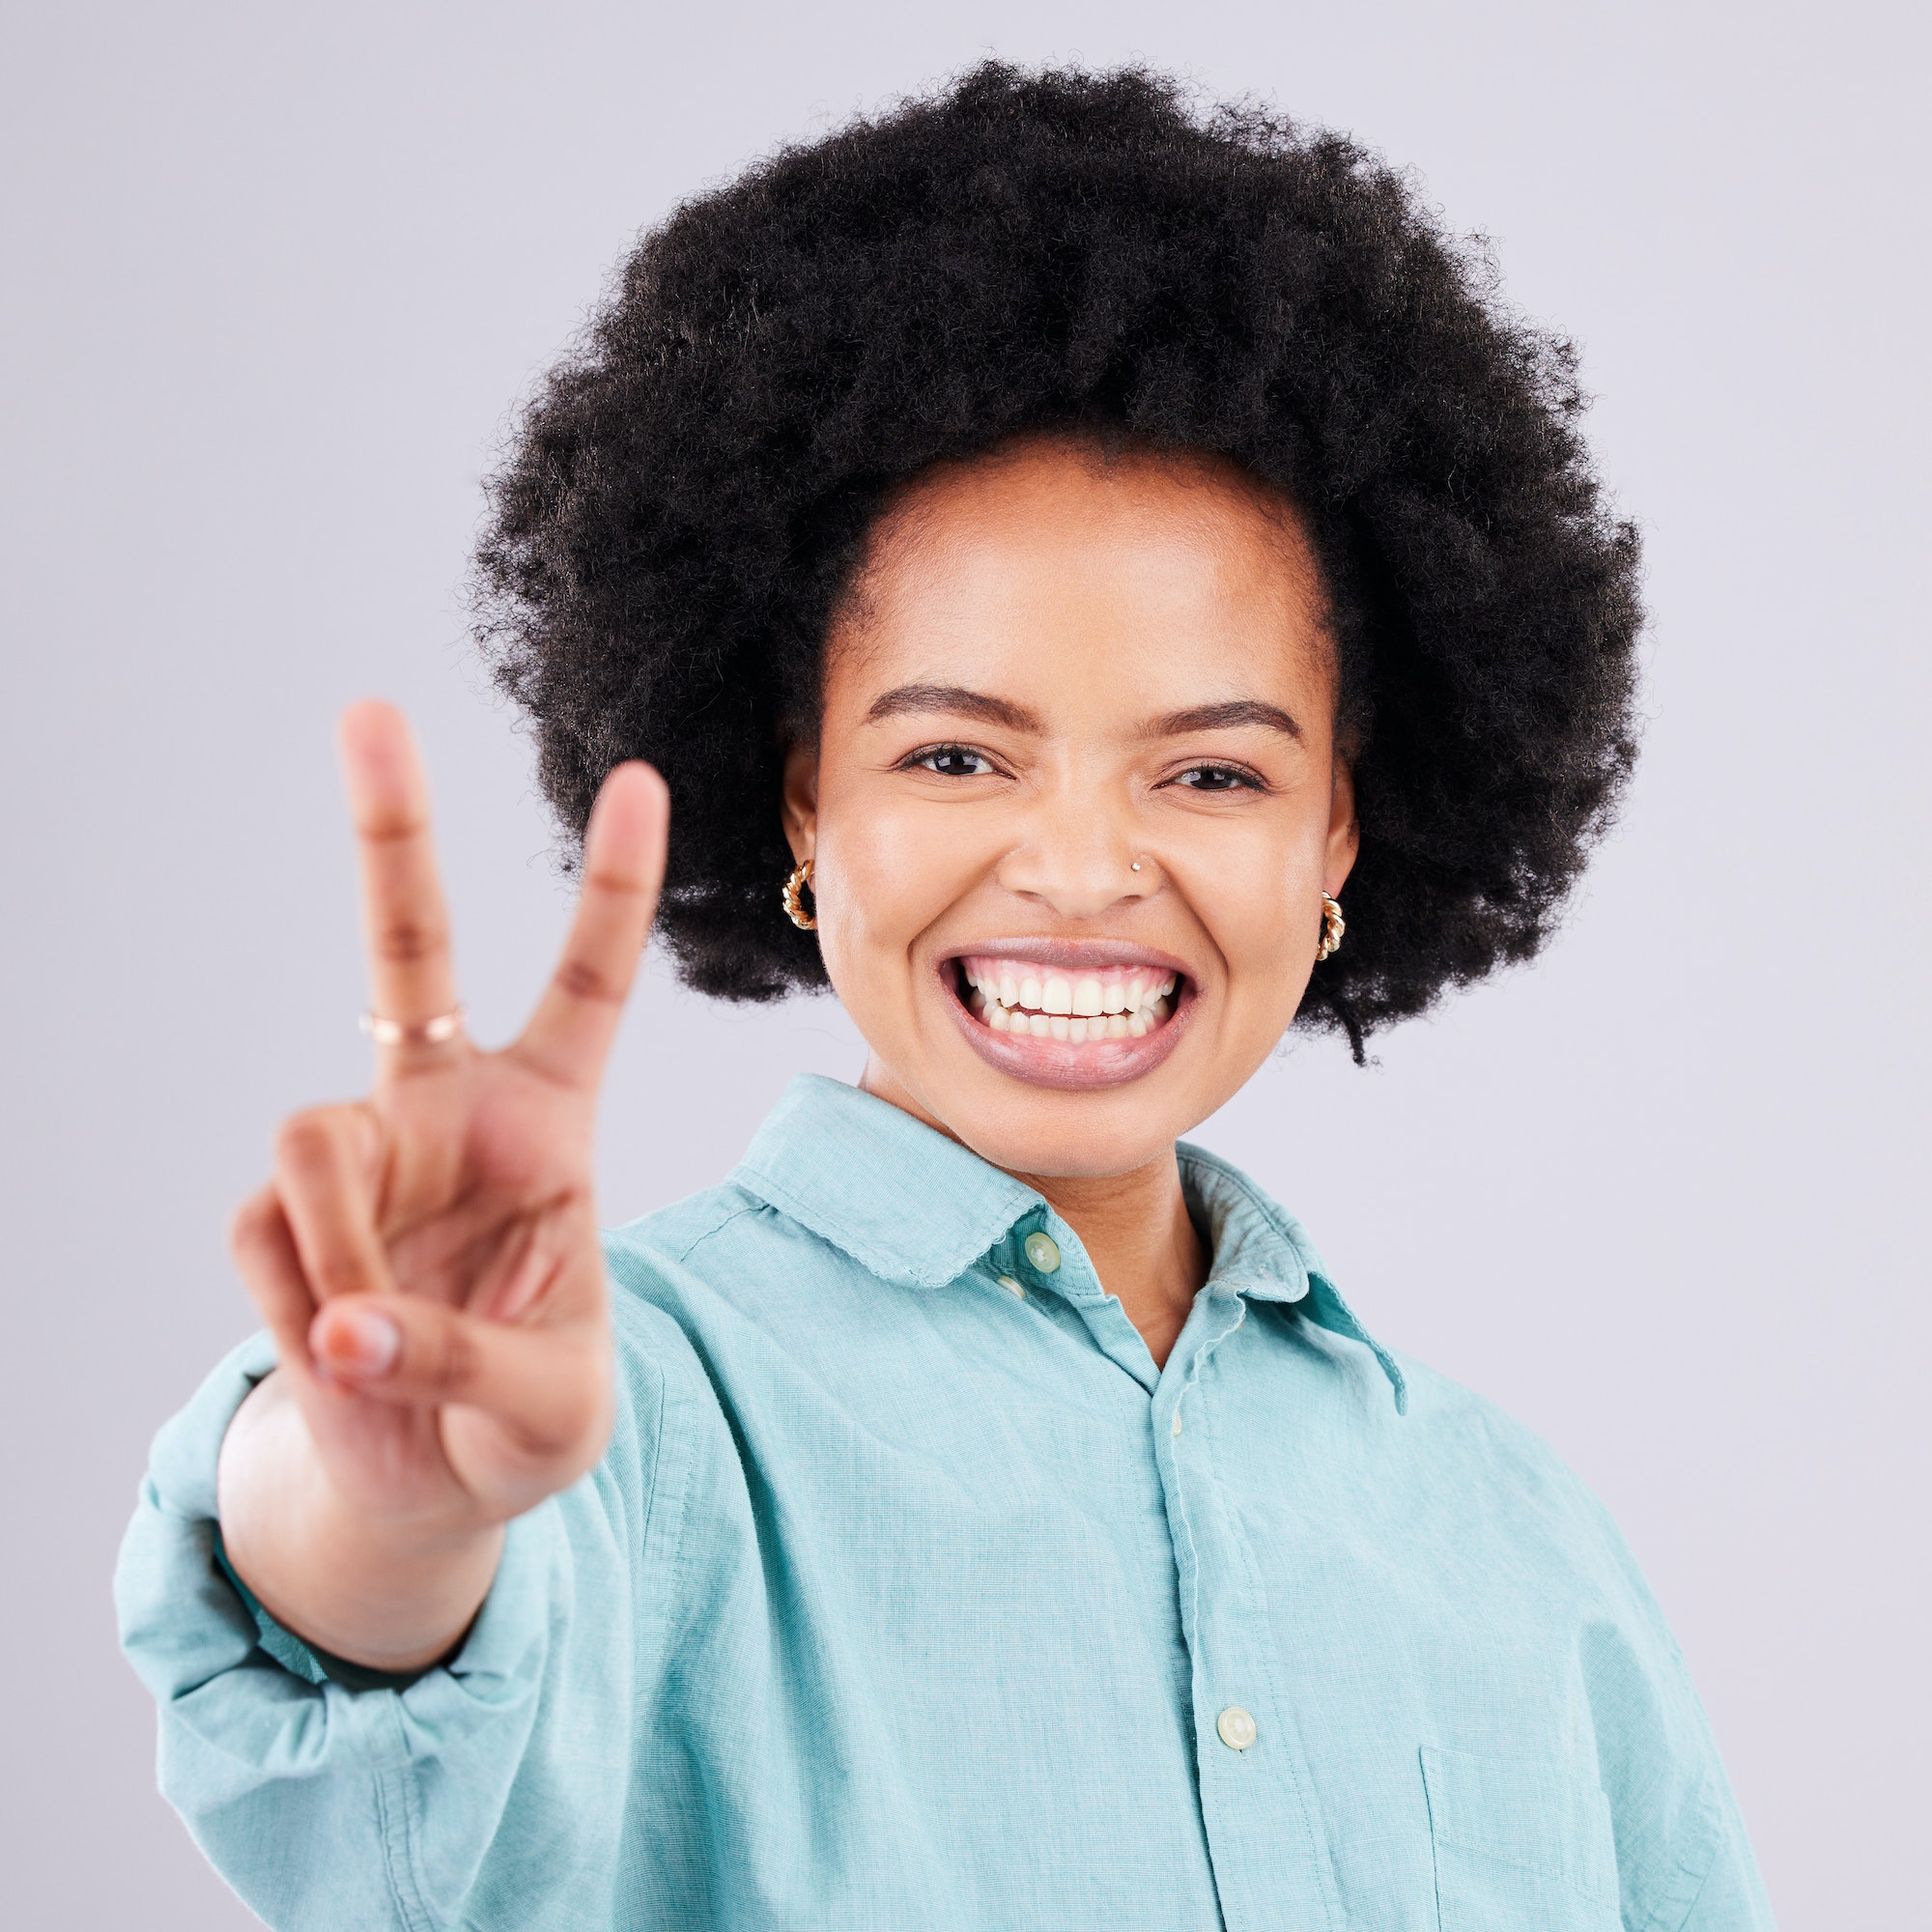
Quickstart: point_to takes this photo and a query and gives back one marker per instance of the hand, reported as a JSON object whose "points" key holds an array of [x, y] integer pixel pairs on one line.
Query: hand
{"points": [[428, 1257]]}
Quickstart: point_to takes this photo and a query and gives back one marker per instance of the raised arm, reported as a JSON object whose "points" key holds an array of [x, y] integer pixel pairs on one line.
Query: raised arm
{"points": [[427, 1257]]}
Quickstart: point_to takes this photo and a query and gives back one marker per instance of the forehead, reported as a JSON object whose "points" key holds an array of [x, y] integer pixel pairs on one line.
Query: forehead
{"points": [[1049, 561]]}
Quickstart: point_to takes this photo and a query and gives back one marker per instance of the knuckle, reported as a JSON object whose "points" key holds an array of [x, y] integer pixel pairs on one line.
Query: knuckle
{"points": [[449, 1363], [320, 1141], [583, 981], [391, 824], [621, 885], [408, 942], [251, 1225], [338, 1272], [305, 1140]]}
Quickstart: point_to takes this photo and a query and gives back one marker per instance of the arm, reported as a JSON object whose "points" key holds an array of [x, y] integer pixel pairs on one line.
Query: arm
{"points": [[427, 1259], [401, 1479], [1731, 1897], [327, 1807]]}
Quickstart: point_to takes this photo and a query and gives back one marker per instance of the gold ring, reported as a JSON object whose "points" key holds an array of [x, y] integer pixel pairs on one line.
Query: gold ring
{"points": [[421, 1033]]}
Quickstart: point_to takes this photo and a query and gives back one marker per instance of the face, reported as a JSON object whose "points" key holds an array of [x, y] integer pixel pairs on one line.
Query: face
{"points": [[1074, 799]]}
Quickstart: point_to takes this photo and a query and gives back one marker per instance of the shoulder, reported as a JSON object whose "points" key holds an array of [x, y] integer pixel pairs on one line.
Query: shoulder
{"points": [[655, 1262], [1499, 1464], [1479, 1432], [666, 1239], [1505, 1495], [715, 1244], [693, 1286]]}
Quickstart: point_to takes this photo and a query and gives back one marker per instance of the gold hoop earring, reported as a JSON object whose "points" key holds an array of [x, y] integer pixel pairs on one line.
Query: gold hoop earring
{"points": [[1333, 927], [791, 895]]}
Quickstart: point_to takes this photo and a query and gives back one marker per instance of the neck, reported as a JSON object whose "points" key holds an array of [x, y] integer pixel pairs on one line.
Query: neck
{"points": [[1135, 1225], [1141, 1239]]}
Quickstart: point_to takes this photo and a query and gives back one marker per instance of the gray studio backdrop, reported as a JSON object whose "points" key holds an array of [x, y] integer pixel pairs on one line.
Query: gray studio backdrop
{"points": [[272, 279]]}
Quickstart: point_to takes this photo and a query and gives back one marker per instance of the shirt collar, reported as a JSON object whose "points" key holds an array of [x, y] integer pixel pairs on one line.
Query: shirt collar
{"points": [[918, 1209], [904, 1201], [1261, 1251]]}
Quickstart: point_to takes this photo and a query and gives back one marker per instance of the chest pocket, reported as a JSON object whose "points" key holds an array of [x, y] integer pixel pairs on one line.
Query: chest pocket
{"points": [[1520, 1846]]}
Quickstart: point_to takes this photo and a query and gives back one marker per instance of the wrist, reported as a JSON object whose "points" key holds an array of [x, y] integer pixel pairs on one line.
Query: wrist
{"points": [[390, 1589]]}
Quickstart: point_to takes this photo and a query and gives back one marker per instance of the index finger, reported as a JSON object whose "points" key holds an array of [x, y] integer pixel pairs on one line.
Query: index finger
{"points": [[571, 1031], [410, 974]]}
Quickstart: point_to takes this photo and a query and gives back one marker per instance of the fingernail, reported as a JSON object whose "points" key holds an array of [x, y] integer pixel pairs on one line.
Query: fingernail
{"points": [[361, 1343]]}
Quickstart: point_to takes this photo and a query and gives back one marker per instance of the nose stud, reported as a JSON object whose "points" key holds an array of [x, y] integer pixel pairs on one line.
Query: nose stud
{"points": [[1135, 866]]}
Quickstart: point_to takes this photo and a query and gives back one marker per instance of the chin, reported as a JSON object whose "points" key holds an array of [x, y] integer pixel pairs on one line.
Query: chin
{"points": [[1063, 1133]]}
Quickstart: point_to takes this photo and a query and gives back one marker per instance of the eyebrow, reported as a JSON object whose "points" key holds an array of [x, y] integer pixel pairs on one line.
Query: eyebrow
{"points": [[1220, 717], [962, 702], [952, 697]]}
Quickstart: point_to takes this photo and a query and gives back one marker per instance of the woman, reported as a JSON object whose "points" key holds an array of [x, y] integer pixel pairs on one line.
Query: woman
{"points": [[1054, 549]]}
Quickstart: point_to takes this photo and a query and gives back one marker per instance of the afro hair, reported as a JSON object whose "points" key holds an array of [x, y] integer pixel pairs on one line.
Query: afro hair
{"points": [[689, 493]]}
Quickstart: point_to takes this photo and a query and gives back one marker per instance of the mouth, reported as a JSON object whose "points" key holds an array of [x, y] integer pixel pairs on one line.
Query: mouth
{"points": [[1069, 1013]]}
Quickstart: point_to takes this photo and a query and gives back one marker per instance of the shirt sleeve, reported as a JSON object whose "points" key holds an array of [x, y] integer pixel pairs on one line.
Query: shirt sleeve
{"points": [[1731, 1898], [327, 1803], [1685, 1858]]}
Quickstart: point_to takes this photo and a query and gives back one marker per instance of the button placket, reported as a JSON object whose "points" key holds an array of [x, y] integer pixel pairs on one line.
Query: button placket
{"points": [[1251, 1786]]}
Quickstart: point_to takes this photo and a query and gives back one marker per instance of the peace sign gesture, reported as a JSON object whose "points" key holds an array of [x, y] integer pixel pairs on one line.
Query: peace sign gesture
{"points": [[427, 1257]]}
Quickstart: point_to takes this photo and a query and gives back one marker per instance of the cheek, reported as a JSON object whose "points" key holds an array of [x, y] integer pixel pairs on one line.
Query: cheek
{"points": [[887, 868], [1256, 895]]}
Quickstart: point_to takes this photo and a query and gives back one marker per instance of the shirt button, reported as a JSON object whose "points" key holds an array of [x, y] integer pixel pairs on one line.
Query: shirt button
{"points": [[1013, 1286], [1236, 1728], [1042, 1251], [1177, 1422]]}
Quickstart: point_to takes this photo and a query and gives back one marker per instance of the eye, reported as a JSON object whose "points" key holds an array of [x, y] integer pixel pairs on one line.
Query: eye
{"points": [[1217, 777], [952, 761]]}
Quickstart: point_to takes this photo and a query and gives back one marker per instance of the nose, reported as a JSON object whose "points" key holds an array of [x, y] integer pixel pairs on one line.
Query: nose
{"points": [[1078, 856]]}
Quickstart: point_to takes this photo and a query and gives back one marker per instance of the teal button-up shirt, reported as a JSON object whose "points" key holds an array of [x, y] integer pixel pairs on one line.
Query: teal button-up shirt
{"points": [[911, 1596]]}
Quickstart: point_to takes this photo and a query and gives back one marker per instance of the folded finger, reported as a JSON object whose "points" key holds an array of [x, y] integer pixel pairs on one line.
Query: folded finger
{"points": [[324, 1180], [264, 1247], [543, 1386], [412, 975], [570, 1032]]}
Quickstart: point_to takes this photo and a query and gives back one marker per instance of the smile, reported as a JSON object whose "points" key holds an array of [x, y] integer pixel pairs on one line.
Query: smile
{"points": [[1069, 1013], [1032, 997]]}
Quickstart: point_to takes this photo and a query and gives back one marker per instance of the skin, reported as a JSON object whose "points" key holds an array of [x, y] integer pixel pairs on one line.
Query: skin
{"points": [[1052, 666]]}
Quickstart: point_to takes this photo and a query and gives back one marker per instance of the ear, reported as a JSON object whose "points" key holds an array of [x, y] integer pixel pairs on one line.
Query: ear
{"points": [[798, 806], [1345, 835]]}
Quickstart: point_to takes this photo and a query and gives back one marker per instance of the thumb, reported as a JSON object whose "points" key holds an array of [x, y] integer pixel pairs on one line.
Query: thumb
{"points": [[544, 1387]]}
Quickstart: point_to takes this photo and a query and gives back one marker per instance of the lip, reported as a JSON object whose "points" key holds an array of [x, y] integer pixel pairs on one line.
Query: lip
{"points": [[1058, 1062], [1073, 953]]}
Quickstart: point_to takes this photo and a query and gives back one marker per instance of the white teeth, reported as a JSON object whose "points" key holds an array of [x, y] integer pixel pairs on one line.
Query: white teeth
{"points": [[1040, 1004]]}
